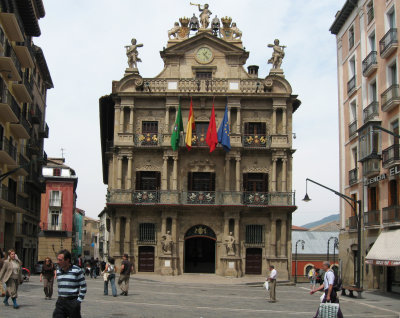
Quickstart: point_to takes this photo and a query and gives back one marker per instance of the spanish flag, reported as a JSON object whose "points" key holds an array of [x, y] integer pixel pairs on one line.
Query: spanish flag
{"points": [[190, 127]]}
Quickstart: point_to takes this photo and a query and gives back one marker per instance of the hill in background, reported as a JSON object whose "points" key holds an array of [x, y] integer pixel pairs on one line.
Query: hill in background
{"points": [[330, 218]]}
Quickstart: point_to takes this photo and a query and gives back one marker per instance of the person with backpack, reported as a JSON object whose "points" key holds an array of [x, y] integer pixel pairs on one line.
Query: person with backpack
{"points": [[109, 276], [328, 288]]}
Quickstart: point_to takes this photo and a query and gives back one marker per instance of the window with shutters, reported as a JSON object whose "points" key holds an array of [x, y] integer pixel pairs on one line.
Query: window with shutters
{"points": [[56, 172], [255, 187], [201, 181], [150, 127], [254, 234], [147, 233], [255, 135], [148, 180], [55, 198]]}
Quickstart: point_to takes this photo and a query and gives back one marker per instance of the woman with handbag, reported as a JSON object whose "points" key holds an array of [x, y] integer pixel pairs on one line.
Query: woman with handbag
{"points": [[11, 275], [109, 273]]}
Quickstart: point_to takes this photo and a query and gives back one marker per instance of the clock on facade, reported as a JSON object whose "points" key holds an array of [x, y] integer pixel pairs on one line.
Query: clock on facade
{"points": [[204, 55]]}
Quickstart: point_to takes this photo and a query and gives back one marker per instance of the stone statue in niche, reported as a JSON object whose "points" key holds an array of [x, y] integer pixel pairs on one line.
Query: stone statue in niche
{"points": [[166, 243], [230, 244]]}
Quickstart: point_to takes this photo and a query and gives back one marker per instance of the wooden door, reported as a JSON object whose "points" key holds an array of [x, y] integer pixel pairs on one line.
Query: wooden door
{"points": [[253, 261], [146, 259]]}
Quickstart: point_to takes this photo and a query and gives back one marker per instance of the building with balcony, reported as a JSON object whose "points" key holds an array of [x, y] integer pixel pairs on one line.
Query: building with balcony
{"points": [[180, 211], [368, 55], [91, 236], [104, 235], [58, 209], [24, 81]]}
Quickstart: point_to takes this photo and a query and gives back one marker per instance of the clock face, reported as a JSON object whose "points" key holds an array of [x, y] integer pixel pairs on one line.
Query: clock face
{"points": [[204, 55]]}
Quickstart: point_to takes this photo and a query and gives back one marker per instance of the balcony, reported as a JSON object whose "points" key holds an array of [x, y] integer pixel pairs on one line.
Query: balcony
{"points": [[217, 198], [21, 92], [8, 153], [7, 197], [372, 218], [371, 111], [2, 40], [352, 128], [11, 27], [22, 189], [54, 227], [351, 86], [24, 54], [371, 166], [148, 140], [55, 202], [22, 202], [9, 109], [22, 128], [390, 98], [391, 214], [256, 141], [391, 156], [389, 43], [44, 132], [10, 66], [370, 64], [353, 222], [353, 176], [36, 115]]}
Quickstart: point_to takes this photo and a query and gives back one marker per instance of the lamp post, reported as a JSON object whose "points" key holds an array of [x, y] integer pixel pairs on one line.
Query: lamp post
{"points": [[334, 245], [295, 258], [349, 200]]}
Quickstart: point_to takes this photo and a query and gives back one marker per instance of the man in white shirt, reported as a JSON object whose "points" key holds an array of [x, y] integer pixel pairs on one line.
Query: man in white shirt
{"points": [[272, 283]]}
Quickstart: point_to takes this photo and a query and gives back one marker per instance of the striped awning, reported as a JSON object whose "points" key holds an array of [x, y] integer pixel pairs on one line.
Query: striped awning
{"points": [[386, 249]]}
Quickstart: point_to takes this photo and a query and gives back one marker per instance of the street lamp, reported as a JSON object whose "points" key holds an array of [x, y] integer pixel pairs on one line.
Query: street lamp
{"points": [[295, 258], [349, 200], [334, 245]]}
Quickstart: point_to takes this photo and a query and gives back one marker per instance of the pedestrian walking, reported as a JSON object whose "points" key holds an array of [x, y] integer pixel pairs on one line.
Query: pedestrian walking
{"points": [[125, 274], [11, 275], [327, 286], [312, 276], [273, 275], [47, 276], [109, 276], [80, 261], [71, 287]]}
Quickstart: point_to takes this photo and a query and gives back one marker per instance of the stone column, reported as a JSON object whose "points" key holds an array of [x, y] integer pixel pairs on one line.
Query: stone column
{"points": [[238, 120], [129, 183], [164, 175], [127, 241], [175, 174], [117, 249], [226, 226], [111, 172], [237, 174], [274, 121], [121, 119], [131, 115], [174, 232], [166, 126], [284, 174], [236, 229], [227, 172], [283, 238], [284, 123], [119, 173], [274, 174], [273, 238]]}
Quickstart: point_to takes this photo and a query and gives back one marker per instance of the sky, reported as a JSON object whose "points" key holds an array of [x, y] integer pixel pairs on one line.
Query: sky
{"points": [[83, 43]]}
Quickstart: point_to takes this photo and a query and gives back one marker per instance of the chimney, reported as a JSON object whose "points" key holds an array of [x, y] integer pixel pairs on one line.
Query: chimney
{"points": [[253, 71]]}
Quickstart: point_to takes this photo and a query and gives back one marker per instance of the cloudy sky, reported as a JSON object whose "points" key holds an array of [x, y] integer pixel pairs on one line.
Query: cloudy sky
{"points": [[83, 42]]}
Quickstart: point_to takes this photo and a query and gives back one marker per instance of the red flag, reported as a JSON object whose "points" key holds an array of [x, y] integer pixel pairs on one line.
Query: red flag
{"points": [[190, 127], [212, 137]]}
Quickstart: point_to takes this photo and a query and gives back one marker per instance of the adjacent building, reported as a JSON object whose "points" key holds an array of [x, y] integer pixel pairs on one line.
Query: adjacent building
{"points": [[104, 234], [58, 209], [369, 97], [90, 238], [179, 211], [77, 232], [24, 81]]}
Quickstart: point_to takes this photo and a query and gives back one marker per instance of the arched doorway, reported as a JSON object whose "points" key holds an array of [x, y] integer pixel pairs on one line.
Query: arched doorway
{"points": [[200, 250]]}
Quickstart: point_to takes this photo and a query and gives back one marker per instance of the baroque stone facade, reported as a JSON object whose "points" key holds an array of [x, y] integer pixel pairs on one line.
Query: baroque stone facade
{"points": [[173, 212]]}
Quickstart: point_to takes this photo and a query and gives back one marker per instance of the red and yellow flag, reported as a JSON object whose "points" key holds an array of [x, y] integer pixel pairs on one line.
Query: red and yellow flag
{"points": [[190, 127]]}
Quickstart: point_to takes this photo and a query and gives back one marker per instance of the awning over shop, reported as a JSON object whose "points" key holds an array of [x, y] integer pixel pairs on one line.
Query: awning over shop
{"points": [[386, 249]]}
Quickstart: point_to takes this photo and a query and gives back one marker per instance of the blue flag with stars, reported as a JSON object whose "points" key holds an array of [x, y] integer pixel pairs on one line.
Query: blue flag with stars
{"points": [[223, 132]]}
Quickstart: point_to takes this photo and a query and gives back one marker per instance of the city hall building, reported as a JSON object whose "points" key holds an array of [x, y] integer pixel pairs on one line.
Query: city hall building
{"points": [[180, 211]]}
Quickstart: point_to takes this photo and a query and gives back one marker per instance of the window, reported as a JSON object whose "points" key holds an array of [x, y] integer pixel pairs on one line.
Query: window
{"points": [[392, 74], [55, 198], [147, 180], [12, 191], [395, 128], [393, 193], [352, 65], [150, 127], [354, 204], [372, 199], [201, 181], [54, 218], [369, 142], [372, 41], [56, 172], [370, 11], [351, 37], [255, 182], [391, 19], [354, 157], [254, 234], [203, 75], [147, 232], [353, 111], [255, 128], [373, 92]]}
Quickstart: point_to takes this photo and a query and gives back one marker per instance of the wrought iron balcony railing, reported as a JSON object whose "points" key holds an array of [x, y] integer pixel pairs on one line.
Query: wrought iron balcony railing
{"points": [[199, 197], [352, 128], [391, 214], [6, 146], [256, 141], [391, 154], [353, 176], [390, 97], [53, 227], [148, 140], [372, 217], [371, 111], [351, 85], [388, 42], [369, 63], [146, 196]]}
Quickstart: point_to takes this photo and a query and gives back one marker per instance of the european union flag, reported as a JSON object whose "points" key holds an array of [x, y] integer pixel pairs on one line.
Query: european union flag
{"points": [[223, 132]]}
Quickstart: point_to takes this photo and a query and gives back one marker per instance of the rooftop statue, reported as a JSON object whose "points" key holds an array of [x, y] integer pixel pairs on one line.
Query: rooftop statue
{"points": [[215, 25], [174, 31], [194, 23], [236, 33], [132, 53], [277, 55], [204, 15]]}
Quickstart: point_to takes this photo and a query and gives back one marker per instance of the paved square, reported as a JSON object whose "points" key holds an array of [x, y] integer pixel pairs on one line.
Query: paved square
{"points": [[195, 296]]}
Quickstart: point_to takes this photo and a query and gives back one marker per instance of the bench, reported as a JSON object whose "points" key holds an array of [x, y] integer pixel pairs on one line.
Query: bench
{"points": [[351, 289]]}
